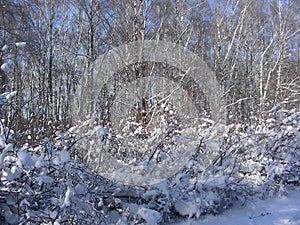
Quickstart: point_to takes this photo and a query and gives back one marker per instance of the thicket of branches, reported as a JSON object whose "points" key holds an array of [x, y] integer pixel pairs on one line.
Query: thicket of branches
{"points": [[41, 183], [253, 46]]}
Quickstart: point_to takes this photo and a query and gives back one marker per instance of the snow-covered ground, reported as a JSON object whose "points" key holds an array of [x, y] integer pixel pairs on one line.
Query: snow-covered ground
{"points": [[280, 211]]}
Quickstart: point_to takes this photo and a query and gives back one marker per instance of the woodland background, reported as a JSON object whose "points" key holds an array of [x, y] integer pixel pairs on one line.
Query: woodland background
{"points": [[253, 47]]}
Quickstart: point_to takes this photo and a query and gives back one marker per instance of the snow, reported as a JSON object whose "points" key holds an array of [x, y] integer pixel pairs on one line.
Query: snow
{"points": [[151, 217], [6, 97], [185, 208], [5, 67], [14, 173], [67, 200], [216, 181], [7, 148], [44, 179], [4, 48], [25, 160], [61, 157], [9, 216], [21, 44], [279, 211]]}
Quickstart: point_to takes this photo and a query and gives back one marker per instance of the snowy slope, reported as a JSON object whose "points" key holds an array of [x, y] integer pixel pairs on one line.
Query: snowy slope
{"points": [[281, 211]]}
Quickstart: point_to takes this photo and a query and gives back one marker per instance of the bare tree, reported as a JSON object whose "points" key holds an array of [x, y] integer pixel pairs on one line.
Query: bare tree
{"points": [[253, 46]]}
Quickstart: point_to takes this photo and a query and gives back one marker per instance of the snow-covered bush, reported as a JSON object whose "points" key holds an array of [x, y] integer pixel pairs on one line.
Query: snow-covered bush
{"points": [[42, 185], [267, 154], [49, 182], [6, 97]]}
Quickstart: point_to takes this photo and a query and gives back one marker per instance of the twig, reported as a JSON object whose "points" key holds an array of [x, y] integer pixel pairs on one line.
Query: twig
{"points": [[158, 145]]}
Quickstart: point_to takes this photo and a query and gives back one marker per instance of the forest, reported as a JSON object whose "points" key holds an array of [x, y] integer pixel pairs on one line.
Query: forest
{"points": [[146, 111]]}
